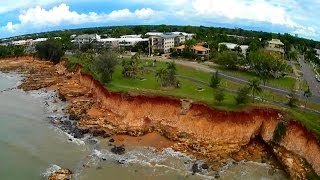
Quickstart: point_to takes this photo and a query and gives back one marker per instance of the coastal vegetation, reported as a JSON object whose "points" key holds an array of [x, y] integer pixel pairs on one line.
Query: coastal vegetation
{"points": [[104, 64], [50, 50], [11, 51], [279, 132]]}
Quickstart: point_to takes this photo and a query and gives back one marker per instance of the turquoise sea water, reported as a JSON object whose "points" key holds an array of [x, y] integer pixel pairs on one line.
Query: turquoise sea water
{"points": [[31, 147]]}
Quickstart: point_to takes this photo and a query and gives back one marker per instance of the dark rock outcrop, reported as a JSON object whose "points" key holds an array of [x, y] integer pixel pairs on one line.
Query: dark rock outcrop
{"points": [[118, 150]]}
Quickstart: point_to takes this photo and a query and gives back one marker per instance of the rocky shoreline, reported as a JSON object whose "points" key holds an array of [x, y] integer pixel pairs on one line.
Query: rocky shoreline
{"points": [[208, 134]]}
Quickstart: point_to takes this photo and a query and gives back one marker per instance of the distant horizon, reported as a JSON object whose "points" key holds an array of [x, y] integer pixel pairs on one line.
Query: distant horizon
{"points": [[92, 27], [273, 16]]}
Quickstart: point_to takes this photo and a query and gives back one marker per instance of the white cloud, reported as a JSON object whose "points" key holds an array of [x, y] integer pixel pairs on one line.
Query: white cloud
{"points": [[145, 13], [39, 17], [255, 10], [7, 6], [10, 27]]}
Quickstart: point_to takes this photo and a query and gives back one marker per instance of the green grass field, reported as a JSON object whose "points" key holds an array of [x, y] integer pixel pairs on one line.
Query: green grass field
{"points": [[283, 83]]}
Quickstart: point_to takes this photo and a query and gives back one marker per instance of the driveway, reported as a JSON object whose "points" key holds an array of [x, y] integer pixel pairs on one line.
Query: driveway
{"points": [[309, 76]]}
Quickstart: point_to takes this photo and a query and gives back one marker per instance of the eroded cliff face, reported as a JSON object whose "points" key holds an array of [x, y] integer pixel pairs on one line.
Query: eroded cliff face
{"points": [[195, 128]]}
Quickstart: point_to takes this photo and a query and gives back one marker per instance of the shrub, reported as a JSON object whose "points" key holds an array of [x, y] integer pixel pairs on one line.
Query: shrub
{"points": [[279, 132], [215, 80], [50, 50], [104, 64], [219, 95], [242, 95]]}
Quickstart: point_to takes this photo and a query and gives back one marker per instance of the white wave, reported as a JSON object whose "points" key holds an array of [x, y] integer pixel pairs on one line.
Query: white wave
{"points": [[53, 168], [168, 159], [67, 136]]}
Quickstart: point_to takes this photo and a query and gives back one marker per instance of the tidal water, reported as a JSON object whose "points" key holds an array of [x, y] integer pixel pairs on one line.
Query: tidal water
{"points": [[31, 147]]}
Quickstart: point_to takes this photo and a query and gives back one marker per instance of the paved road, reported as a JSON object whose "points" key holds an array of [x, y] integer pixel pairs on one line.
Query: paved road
{"points": [[309, 76]]}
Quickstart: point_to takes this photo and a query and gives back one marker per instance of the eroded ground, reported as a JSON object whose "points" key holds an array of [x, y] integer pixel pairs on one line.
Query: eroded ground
{"points": [[187, 127]]}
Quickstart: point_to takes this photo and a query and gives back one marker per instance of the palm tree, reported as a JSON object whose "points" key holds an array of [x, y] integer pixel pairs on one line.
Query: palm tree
{"points": [[307, 94], [161, 76], [254, 86]]}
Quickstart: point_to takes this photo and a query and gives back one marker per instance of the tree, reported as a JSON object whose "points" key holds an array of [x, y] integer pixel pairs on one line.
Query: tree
{"points": [[219, 96], [132, 68], [242, 95], [50, 50], [307, 94], [228, 59], [254, 86], [292, 99], [223, 47], [215, 80], [104, 64], [293, 55], [238, 49], [7, 51], [266, 64], [161, 76], [167, 76]]}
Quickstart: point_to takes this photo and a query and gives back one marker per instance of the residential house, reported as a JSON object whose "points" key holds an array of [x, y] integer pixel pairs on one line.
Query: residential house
{"points": [[197, 49], [275, 45]]}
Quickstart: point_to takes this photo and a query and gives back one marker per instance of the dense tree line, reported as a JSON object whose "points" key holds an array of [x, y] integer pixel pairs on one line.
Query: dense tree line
{"points": [[11, 51], [51, 50], [211, 34]]}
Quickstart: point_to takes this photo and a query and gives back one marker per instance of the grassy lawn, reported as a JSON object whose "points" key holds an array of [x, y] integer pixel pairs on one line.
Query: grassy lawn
{"points": [[311, 121], [187, 90], [283, 83], [304, 86]]}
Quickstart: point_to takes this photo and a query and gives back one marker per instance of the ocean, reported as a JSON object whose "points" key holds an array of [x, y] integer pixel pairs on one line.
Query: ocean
{"points": [[31, 147]]}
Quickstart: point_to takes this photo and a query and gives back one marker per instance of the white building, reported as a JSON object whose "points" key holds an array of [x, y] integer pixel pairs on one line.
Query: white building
{"points": [[318, 53], [40, 40], [73, 36], [87, 38], [275, 45], [232, 47], [127, 40], [154, 33], [188, 36], [131, 41], [131, 36], [163, 43], [112, 42]]}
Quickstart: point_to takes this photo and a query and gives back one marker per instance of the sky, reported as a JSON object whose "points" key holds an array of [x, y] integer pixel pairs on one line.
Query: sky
{"points": [[280, 16]]}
